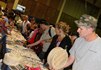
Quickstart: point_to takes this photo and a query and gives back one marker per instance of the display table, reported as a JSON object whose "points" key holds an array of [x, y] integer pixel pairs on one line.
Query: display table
{"points": [[23, 57]]}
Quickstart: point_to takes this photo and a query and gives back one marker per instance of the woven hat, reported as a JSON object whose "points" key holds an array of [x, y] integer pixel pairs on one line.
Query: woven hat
{"points": [[87, 20], [57, 58]]}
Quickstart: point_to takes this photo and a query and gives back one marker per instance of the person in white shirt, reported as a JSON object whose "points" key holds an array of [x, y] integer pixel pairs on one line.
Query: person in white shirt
{"points": [[45, 38], [25, 25]]}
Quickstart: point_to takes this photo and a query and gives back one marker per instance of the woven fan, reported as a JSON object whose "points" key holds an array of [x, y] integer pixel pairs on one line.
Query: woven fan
{"points": [[57, 58]]}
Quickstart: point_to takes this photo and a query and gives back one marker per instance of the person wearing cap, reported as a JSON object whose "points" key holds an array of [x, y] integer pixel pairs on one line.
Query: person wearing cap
{"points": [[85, 53]]}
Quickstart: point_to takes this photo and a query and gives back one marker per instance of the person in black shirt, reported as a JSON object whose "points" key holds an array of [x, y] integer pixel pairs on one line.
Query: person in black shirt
{"points": [[61, 39]]}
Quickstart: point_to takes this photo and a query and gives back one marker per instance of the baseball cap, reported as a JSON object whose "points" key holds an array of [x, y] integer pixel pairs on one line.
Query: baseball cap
{"points": [[87, 21]]}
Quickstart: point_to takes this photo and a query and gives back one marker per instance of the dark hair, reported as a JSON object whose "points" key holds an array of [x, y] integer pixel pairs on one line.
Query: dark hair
{"points": [[74, 34], [43, 21]]}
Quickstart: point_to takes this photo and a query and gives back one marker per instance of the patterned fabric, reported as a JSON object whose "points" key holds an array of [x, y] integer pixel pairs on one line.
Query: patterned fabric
{"points": [[87, 20]]}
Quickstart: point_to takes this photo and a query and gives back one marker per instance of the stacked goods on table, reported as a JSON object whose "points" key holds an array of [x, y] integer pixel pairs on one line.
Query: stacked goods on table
{"points": [[18, 56], [12, 59]]}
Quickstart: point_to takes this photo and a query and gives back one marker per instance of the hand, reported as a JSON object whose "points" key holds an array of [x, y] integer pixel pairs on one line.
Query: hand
{"points": [[50, 68], [29, 46]]}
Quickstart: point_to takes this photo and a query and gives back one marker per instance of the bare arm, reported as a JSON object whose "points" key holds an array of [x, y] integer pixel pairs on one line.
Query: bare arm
{"points": [[39, 41], [33, 44], [70, 60]]}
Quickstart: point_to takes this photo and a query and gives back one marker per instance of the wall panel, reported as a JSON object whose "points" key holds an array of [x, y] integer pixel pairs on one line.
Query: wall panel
{"points": [[47, 9]]}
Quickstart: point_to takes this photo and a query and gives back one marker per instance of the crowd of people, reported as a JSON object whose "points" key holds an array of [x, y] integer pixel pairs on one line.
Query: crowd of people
{"points": [[83, 46]]}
